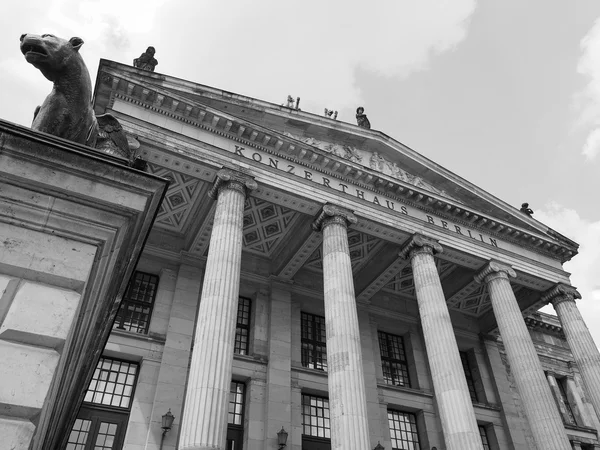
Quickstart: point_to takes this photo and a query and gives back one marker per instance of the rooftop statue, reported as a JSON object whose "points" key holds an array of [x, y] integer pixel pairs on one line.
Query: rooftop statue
{"points": [[526, 209], [67, 111], [361, 118], [146, 61]]}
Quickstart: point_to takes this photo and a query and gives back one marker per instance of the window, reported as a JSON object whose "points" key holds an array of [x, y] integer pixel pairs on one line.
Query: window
{"points": [[403, 430], [314, 353], [464, 357], [235, 417], [569, 416], [315, 416], [136, 307], [484, 437], [102, 419], [393, 359], [242, 330]]}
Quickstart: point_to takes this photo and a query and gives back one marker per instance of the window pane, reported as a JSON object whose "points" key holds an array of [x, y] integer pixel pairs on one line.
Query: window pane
{"points": [[464, 357], [484, 438], [116, 393], [136, 306], [79, 435], [314, 352], [403, 430], [242, 330], [236, 403], [315, 416], [393, 359]]}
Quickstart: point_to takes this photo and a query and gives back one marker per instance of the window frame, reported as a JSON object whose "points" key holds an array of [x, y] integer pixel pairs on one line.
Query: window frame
{"points": [[469, 377], [97, 413], [326, 417], [122, 316], [235, 432], [240, 326], [483, 433], [562, 389], [312, 358], [405, 369], [414, 431]]}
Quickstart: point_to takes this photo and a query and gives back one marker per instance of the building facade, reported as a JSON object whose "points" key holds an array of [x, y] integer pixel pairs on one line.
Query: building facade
{"points": [[315, 277]]}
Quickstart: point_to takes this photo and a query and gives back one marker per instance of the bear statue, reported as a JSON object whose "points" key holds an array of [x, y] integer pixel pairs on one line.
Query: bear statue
{"points": [[67, 111]]}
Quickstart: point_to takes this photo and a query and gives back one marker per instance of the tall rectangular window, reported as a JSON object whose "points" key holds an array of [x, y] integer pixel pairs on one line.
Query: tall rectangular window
{"points": [[242, 329], [136, 307], [570, 417], [403, 430], [235, 417], [484, 437], [464, 357], [315, 416], [393, 359], [314, 351], [103, 416]]}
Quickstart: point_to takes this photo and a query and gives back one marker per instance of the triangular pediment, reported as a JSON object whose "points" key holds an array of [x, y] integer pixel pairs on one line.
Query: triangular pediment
{"points": [[368, 157]]}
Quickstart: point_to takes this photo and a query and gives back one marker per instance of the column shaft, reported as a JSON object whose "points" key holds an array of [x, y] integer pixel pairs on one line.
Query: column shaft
{"points": [[539, 405], [582, 346], [204, 423], [347, 398], [449, 382]]}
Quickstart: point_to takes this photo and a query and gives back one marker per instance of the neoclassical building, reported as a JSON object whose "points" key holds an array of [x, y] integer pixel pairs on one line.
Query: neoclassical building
{"points": [[319, 283]]}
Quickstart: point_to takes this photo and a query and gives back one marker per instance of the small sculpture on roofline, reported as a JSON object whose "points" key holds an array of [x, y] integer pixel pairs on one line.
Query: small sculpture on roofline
{"points": [[361, 118], [146, 61], [526, 209], [67, 111]]}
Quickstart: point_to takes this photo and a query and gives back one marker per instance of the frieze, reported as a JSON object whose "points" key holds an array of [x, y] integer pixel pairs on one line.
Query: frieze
{"points": [[372, 160]]}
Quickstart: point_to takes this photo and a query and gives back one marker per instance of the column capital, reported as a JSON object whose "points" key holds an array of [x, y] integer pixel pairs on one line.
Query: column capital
{"points": [[333, 214], [561, 293], [232, 179], [420, 244], [494, 269]]}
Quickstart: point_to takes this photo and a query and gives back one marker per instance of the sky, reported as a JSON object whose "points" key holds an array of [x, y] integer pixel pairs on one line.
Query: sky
{"points": [[505, 94]]}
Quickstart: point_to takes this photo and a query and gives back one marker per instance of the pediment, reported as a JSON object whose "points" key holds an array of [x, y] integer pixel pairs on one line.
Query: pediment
{"points": [[367, 157]]}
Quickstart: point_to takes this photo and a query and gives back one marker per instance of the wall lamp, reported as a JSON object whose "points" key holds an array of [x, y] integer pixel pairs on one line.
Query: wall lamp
{"points": [[167, 423], [282, 436]]}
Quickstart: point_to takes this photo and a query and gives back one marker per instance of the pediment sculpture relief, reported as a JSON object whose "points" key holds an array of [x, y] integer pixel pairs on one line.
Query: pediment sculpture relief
{"points": [[369, 159]]}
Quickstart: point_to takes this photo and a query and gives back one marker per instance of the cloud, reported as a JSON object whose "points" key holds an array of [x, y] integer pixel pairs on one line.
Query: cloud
{"points": [[586, 265], [589, 100], [313, 49]]}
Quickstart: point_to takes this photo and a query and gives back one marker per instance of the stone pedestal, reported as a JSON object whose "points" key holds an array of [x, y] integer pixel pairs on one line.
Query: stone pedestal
{"points": [[578, 336], [542, 413], [347, 399], [449, 383], [204, 422]]}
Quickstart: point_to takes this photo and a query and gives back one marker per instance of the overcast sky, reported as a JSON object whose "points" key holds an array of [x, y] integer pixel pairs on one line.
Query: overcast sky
{"points": [[504, 93]]}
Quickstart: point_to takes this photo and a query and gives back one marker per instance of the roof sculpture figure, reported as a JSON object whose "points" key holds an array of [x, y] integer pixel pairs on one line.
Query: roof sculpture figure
{"points": [[361, 118], [526, 209], [146, 61]]}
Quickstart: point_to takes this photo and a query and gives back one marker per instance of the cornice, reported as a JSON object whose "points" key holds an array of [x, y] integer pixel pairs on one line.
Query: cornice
{"points": [[215, 121]]}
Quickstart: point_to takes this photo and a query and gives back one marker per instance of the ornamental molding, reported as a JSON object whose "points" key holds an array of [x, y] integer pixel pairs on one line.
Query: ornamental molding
{"points": [[494, 268], [560, 293], [418, 242], [374, 160], [186, 110], [232, 179], [333, 214]]}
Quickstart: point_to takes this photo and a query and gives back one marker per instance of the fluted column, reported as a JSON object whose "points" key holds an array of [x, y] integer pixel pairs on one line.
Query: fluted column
{"points": [[347, 398], [449, 382], [204, 422], [540, 408], [578, 336]]}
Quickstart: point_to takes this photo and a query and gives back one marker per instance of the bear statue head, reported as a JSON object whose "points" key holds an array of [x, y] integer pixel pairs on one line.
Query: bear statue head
{"points": [[50, 54]]}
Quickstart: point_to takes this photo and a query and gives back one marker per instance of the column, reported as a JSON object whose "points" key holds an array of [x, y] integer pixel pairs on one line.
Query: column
{"points": [[539, 405], [578, 336], [449, 382], [347, 398], [204, 422]]}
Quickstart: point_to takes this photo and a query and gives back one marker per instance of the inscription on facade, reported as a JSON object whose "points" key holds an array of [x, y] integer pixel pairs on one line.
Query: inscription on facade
{"points": [[359, 193]]}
